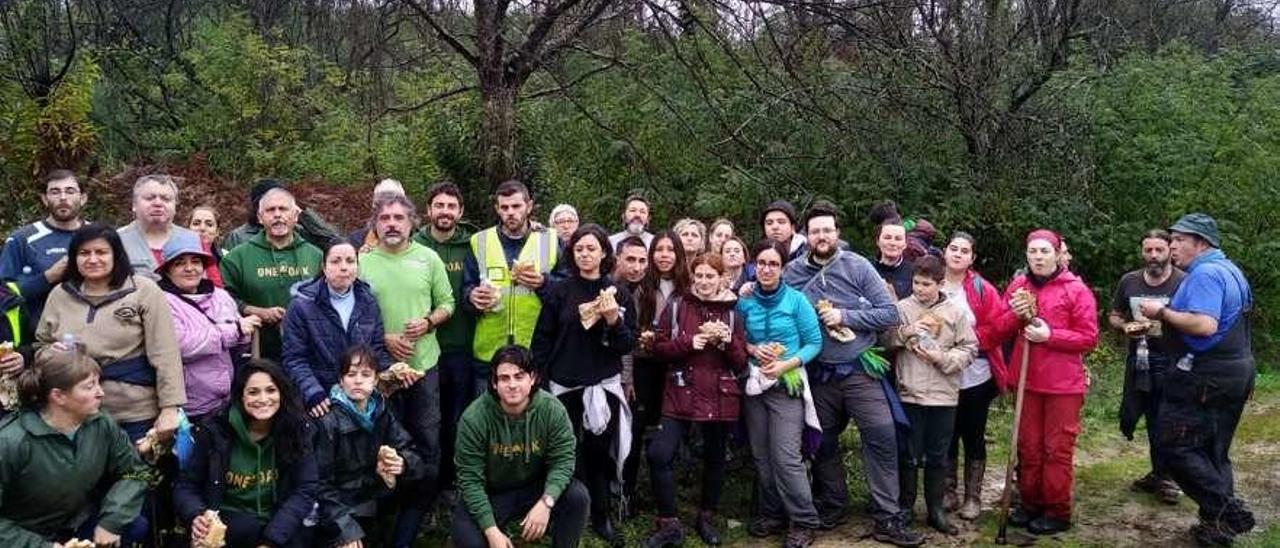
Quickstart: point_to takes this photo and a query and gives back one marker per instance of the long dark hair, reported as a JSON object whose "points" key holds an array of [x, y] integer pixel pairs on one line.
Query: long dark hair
{"points": [[648, 299], [120, 268], [288, 425]]}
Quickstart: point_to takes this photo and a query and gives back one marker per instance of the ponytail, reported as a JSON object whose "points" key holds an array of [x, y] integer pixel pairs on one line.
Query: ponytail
{"points": [[55, 367]]}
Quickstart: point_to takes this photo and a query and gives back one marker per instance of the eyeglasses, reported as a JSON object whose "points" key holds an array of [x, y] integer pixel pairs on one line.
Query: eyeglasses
{"points": [[773, 265], [63, 192]]}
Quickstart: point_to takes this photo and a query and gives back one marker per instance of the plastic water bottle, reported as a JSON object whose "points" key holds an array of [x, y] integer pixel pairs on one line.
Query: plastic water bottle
{"points": [[926, 340], [68, 342], [1184, 364], [1142, 357]]}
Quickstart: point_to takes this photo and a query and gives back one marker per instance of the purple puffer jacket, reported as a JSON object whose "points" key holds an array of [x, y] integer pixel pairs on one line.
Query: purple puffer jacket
{"points": [[207, 337]]}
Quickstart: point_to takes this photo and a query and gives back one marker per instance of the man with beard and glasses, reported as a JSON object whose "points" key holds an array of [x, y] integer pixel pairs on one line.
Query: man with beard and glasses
{"points": [[635, 221], [1150, 352], [35, 256], [507, 275], [412, 289], [261, 272], [460, 382], [155, 203], [846, 381]]}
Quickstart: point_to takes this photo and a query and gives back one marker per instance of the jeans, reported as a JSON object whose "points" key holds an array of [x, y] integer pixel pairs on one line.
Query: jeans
{"points": [[568, 517], [662, 455], [861, 397], [420, 408]]}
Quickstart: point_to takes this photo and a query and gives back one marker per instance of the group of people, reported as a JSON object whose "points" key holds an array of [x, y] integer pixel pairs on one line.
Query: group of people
{"points": [[282, 385]]}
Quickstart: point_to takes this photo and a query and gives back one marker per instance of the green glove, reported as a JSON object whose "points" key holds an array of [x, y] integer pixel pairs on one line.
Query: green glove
{"points": [[873, 363], [792, 382]]}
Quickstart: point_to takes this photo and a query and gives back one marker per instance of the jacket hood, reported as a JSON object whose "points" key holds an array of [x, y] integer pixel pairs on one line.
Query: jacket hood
{"points": [[724, 298], [239, 427]]}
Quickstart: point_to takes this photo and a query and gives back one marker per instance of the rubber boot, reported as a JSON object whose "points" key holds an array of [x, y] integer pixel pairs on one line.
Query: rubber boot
{"points": [[974, 470], [668, 533], [908, 480], [935, 478], [949, 498]]}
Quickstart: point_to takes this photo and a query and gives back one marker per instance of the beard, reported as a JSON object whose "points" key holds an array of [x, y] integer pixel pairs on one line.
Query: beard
{"points": [[1157, 268], [635, 228], [444, 223]]}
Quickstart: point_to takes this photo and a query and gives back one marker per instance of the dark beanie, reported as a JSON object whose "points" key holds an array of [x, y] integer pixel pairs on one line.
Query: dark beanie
{"points": [[260, 188], [779, 205]]}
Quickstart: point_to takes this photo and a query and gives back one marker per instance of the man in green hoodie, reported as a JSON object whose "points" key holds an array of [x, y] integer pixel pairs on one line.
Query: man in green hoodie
{"points": [[261, 273], [450, 238], [515, 459]]}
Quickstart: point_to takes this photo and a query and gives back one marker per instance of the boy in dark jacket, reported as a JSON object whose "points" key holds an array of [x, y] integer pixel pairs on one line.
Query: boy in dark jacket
{"points": [[515, 459]]}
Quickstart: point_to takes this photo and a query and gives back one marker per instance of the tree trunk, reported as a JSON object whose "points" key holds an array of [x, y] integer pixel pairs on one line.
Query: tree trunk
{"points": [[498, 139]]}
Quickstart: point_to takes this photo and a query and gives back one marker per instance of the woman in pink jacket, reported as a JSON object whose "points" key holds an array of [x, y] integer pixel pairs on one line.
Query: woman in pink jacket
{"points": [[208, 326], [1058, 330]]}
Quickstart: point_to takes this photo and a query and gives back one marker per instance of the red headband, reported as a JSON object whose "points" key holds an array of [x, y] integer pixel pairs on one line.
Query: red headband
{"points": [[1047, 235]]}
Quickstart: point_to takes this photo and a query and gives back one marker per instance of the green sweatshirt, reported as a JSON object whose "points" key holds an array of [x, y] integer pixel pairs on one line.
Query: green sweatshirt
{"points": [[497, 453], [258, 274], [252, 473], [455, 335], [47, 479], [409, 285]]}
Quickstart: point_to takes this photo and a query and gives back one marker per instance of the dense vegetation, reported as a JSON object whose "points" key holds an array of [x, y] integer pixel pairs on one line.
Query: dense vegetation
{"points": [[1098, 118]]}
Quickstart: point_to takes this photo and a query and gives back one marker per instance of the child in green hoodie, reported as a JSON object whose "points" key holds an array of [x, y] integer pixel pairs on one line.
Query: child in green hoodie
{"points": [[515, 459]]}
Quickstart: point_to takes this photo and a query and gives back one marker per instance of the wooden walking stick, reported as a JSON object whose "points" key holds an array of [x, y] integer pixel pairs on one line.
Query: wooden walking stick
{"points": [[1006, 497], [255, 350]]}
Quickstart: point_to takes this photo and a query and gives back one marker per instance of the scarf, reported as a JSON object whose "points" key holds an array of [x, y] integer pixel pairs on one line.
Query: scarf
{"points": [[363, 418]]}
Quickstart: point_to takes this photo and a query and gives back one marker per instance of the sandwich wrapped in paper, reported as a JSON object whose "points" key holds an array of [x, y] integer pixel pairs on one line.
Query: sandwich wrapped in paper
{"points": [[590, 311], [1026, 300], [217, 537], [717, 331], [9, 398], [841, 333], [397, 376], [79, 543]]}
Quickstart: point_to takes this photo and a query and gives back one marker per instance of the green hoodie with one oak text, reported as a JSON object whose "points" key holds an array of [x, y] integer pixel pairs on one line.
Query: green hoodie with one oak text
{"points": [[497, 453]]}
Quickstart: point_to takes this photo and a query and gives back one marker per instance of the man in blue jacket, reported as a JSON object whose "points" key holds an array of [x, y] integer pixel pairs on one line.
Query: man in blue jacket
{"points": [[1206, 390], [35, 256], [845, 382]]}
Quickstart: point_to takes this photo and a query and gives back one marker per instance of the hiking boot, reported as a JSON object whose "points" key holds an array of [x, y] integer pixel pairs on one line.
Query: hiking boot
{"points": [[1021, 516], [894, 531], [1168, 492], [832, 520], [934, 483], [1146, 484], [974, 470], [1045, 525], [798, 537], [611, 536], [667, 534], [706, 528], [765, 527], [1210, 536], [950, 499]]}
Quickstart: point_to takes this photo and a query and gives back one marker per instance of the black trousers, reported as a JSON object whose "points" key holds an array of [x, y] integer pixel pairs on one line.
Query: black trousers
{"points": [[971, 421], [568, 517], [650, 379], [1199, 412], [662, 455], [596, 466]]}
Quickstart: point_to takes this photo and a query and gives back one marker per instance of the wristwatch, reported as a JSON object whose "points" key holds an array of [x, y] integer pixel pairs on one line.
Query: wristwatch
{"points": [[547, 500]]}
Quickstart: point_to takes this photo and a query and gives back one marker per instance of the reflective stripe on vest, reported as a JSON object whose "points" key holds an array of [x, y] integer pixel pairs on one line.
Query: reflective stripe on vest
{"points": [[15, 317], [519, 306]]}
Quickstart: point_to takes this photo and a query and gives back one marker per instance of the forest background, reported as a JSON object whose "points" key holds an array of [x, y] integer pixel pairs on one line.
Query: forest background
{"points": [[1098, 118]]}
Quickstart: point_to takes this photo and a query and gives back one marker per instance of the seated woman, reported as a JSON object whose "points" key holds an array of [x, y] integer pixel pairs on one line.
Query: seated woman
{"points": [[356, 468], [252, 465], [330, 314], [57, 451], [209, 328]]}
